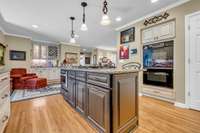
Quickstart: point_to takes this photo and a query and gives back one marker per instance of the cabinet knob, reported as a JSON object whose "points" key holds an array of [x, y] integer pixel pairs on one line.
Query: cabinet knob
{"points": [[3, 79], [5, 96], [5, 118]]}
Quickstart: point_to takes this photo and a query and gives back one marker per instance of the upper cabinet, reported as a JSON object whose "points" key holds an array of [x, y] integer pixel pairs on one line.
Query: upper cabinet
{"points": [[158, 33], [36, 51], [41, 51]]}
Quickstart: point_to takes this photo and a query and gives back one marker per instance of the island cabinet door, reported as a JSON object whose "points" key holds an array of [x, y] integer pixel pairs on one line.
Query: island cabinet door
{"points": [[125, 103], [99, 108], [80, 96], [71, 91]]}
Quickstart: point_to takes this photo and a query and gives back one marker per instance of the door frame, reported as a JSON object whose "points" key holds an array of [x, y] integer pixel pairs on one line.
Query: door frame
{"points": [[187, 57]]}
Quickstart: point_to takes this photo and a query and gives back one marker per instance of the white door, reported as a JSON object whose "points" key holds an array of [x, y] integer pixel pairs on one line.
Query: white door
{"points": [[194, 45]]}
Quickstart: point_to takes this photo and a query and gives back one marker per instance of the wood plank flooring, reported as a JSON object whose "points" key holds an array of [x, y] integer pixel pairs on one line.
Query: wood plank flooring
{"points": [[53, 115]]}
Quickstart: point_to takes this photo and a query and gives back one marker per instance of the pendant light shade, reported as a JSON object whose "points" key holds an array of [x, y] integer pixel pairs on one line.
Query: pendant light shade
{"points": [[84, 26], [72, 39], [105, 18]]}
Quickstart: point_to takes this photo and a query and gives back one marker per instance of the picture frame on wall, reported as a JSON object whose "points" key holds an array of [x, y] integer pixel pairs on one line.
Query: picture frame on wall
{"points": [[2, 54], [127, 36], [124, 52], [17, 55]]}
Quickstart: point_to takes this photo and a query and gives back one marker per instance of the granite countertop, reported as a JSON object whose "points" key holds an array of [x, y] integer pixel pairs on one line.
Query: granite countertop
{"points": [[106, 71]]}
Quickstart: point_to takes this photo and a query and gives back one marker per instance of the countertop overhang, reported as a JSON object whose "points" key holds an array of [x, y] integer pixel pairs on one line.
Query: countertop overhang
{"points": [[105, 71]]}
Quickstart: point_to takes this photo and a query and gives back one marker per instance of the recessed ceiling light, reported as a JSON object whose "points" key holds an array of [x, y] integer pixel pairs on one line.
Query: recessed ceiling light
{"points": [[84, 49], [35, 26], [154, 1], [118, 19]]}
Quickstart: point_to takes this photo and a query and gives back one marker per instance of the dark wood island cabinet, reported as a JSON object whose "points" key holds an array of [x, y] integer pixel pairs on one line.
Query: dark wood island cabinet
{"points": [[107, 98]]}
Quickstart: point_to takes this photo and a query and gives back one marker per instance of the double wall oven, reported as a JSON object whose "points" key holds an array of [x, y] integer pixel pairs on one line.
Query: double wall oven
{"points": [[158, 60]]}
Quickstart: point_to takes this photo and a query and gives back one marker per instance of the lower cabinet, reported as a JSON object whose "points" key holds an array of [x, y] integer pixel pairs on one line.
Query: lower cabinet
{"points": [[80, 96], [109, 110], [4, 100], [70, 90], [125, 103], [99, 107]]}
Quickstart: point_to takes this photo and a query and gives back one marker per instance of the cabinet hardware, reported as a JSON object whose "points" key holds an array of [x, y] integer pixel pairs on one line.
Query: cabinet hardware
{"points": [[5, 118], [156, 92], [3, 79], [5, 96]]}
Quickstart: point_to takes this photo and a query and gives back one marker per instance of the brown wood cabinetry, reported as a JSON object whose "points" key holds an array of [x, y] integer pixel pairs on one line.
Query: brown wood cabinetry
{"points": [[80, 96], [125, 103], [99, 107], [71, 91], [109, 101]]}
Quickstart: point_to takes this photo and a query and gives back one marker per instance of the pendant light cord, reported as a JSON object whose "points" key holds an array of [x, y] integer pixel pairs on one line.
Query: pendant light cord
{"points": [[84, 15], [72, 24]]}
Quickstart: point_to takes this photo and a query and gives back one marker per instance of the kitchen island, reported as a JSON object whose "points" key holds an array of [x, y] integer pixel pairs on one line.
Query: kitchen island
{"points": [[107, 98]]}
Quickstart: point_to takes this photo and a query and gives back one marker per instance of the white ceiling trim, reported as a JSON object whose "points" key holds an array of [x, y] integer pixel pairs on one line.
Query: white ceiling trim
{"points": [[70, 44], [152, 14], [26, 37], [16, 35]]}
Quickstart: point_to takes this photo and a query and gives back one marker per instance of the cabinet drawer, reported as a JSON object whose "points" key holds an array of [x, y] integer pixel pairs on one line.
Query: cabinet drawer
{"points": [[4, 81], [169, 94], [99, 79], [4, 95], [81, 76], [71, 74]]}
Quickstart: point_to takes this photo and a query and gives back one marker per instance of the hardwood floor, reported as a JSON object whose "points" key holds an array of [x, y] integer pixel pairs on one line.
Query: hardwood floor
{"points": [[53, 115]]}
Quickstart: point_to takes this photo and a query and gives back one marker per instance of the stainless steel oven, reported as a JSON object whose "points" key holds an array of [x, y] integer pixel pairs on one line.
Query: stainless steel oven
{"points": [[159, 77], [63, 79]]}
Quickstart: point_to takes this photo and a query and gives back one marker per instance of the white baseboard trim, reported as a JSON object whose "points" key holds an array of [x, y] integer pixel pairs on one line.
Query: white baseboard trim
{"points": [[181, 105], [140, 94]]}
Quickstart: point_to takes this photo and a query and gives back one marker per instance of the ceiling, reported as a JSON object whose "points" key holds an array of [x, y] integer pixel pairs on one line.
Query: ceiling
{"points": [[52, 17]]}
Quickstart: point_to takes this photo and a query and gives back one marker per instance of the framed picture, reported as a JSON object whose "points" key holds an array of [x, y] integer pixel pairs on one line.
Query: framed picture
{"points": [[2, 54], [127, 36], [124, 52], [17, 55], [71, 58]]}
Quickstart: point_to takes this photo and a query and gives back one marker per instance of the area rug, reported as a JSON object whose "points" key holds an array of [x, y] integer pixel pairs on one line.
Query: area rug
{"points": [[26, 94]]}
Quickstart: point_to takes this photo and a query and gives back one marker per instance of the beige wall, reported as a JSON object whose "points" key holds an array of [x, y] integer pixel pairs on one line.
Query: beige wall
{"points": [[106, 53], [2, 38], [69, 48], [177, 13], [21, 44]]}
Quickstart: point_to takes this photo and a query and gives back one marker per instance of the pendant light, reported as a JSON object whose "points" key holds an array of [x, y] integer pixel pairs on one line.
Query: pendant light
{"points": [[105, 18], [84, 26], [72, 39]]}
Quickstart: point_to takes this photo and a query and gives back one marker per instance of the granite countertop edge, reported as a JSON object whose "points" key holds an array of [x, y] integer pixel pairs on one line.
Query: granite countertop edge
{"points": [[105, 71]]}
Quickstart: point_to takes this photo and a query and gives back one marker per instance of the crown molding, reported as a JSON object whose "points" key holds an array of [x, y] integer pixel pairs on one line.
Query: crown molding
{"points": [[43, 41], [70, 44], [16, 35], [152, 14]]}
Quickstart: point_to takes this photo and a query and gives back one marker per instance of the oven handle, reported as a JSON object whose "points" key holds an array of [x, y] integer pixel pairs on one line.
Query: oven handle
{"points": [[161, 74]]}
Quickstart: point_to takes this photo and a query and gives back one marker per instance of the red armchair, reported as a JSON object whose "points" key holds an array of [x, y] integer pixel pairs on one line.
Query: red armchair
{"points": [[20, 76]]}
